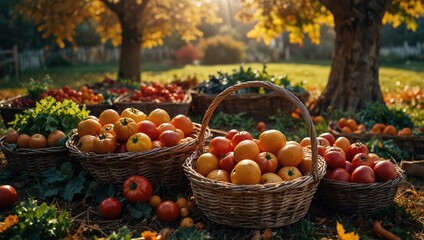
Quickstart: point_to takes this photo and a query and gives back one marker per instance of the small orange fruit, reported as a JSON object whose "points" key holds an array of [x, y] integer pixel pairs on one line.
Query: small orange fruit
{"points": [[289, 173], [346, 130], [154, 201], [246, 149], [246, 172], [206, 163], [159, 116], [390, 130], [290, 155], [184, 123], [352, 124], [108, 116], [272, 140]]}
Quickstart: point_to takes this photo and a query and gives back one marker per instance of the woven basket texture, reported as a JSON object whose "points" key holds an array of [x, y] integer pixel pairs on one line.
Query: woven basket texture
{"points": [[414, 145], [34, 161], [258, 106], [8, 112], [173, 109], [159, 166], [96, 109], [365, 199], [259, 205]]}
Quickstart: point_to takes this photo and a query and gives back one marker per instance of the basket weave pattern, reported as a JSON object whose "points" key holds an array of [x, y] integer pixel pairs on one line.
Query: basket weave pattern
{"points": [[265, 104], [362, 198], [172, 108], [34, 161], [159, 166], [260, 205], [414, 145]]}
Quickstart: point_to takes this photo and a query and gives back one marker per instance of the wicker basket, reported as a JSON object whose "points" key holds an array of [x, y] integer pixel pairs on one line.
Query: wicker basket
{"points": [[8, 112], [96, 109], [34, 161], [365, 199], [160, 166], [260, 205], [264, 105], [414, 145], [172, 108]]}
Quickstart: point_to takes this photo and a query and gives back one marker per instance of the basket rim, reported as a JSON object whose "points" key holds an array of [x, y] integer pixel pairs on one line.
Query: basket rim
{"points": [[4, 103], [246, 95], [71, 145], [119, 100], [370, 135], [367, 186], [25, 151]]}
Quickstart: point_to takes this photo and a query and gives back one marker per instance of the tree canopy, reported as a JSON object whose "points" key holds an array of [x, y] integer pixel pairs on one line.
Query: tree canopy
{"points": [[302, 18], [159, 18]]}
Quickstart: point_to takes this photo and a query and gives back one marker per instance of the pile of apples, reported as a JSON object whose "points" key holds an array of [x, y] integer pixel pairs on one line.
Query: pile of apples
{"points": [[349, 125], [240, 159], [36, 140], [352, 162], [132, 131]]}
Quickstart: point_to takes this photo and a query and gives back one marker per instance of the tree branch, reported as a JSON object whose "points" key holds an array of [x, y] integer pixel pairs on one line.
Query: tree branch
{"points": [[114, 7]]}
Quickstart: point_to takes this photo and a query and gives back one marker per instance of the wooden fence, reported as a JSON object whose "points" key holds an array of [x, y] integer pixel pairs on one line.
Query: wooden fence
{"points": [[38, 59], [404, 51], [8, 57]]}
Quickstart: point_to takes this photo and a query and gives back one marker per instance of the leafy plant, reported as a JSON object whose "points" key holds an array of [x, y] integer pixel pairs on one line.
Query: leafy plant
{"points": [[122, 234], [386, 149], [35, 88], [183, 233], [48, 116], [378, 113], [62, 183], [216, 84], [100, 190], [38, 222], [140, 210]]}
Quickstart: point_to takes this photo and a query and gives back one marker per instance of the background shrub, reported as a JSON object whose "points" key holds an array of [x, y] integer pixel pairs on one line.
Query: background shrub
{"points": [[222, 50], [187, 54]]}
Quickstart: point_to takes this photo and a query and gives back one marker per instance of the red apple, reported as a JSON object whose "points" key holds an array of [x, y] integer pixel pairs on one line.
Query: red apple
{"points": [[340, 174], [385, 171], [149, 128], [240, 136], [227, 162], [330, 137]]}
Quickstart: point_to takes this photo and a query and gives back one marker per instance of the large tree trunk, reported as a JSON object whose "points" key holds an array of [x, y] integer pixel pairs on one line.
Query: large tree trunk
{"points": [[353, 80], [129, 14], [129, 60]]}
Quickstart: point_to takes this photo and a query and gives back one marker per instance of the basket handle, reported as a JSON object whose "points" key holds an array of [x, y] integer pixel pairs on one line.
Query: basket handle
{"points": [[282, 92]]}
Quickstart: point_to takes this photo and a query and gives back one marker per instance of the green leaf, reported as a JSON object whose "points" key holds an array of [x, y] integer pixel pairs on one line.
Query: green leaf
{"points": [[140, 210], [74, 186], [51, 192], [52, 176], [123, 234], [100, 190], [67, 170], [184, 233]]}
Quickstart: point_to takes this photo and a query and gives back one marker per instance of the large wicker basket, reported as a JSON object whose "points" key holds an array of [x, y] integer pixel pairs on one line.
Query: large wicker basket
{"points": [[259, 205], [33, 161], [160, 166], [263, 106], [365, 199], [173, 108], [8, 112], [414, 145]]}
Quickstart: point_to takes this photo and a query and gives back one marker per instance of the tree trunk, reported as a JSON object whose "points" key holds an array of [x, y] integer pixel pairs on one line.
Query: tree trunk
{"points": [[353, 80], [129, 61]]}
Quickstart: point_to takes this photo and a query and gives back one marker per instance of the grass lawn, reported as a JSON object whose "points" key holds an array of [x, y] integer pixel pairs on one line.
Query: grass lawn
{"points": [[312, 73]]}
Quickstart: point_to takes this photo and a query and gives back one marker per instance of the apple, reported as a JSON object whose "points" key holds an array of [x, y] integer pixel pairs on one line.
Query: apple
{"points": [[330, 137], [335, 159], [149, 128], [227, 162], [340, 174], [239, 137], [385, 171]]}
